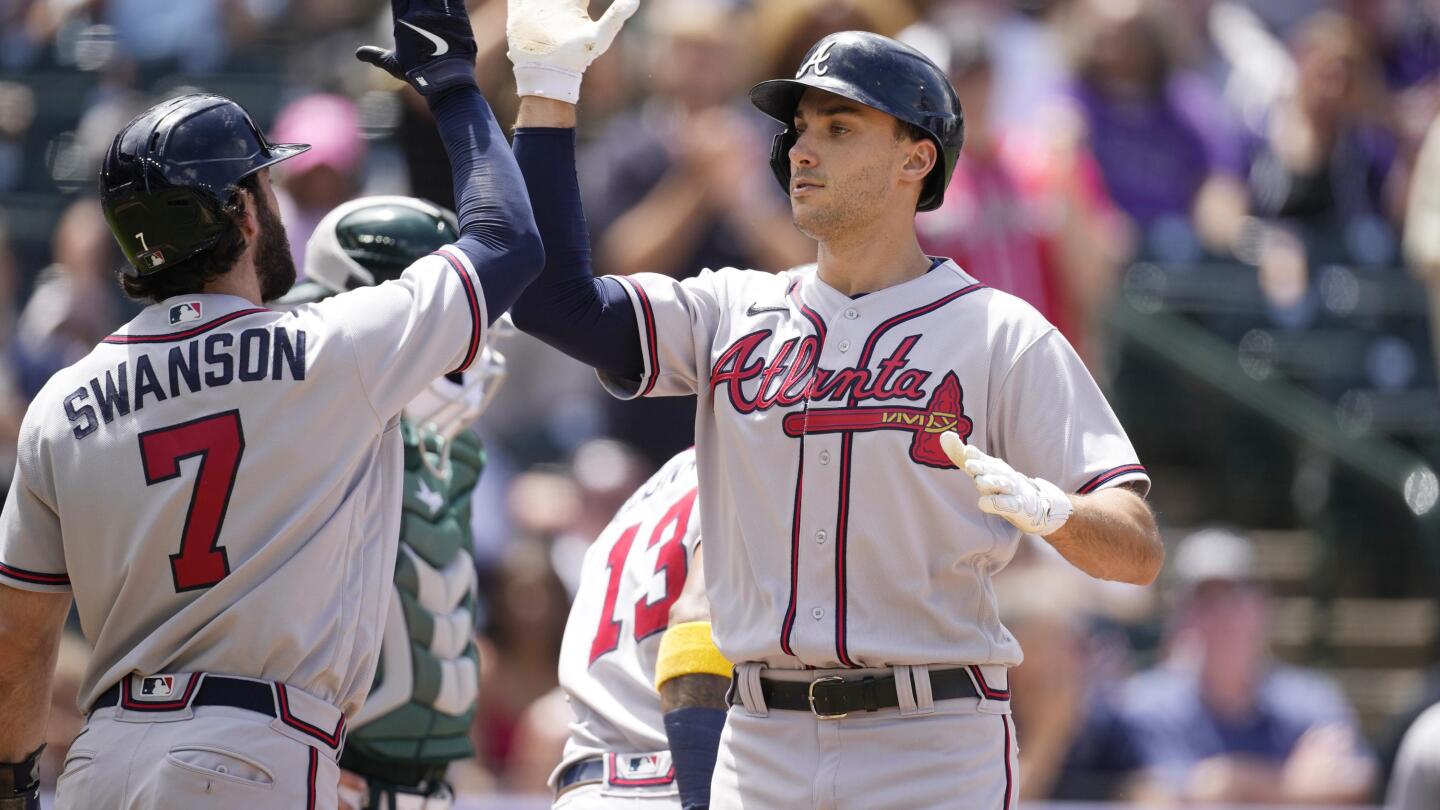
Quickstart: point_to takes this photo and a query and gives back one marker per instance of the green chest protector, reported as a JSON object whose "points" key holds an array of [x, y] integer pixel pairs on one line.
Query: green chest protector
{"points": [[417, 717]]}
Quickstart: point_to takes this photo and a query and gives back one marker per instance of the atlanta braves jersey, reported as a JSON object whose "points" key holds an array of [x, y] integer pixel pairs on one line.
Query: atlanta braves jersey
{"points": [[631, 575], [838, 532], [217, 483]]}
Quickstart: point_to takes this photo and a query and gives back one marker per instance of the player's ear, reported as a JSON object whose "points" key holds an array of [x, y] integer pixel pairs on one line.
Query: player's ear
{"points": [[249, 213], [919, 159]]}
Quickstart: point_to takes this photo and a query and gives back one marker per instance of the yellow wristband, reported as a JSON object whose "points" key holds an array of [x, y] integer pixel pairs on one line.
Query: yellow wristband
{"points": [[688, 649]]}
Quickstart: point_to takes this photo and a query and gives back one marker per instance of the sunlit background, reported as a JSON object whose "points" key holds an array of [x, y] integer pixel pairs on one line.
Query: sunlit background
{"points": [[1230, 207]]}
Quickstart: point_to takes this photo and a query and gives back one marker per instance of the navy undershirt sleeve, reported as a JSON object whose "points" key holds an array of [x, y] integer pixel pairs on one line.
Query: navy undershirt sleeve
{"points": [[588, 318], [497, 228]]}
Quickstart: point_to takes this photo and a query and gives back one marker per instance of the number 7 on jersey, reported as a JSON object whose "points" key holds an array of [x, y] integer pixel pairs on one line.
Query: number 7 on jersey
{"points": [[219, 442]]}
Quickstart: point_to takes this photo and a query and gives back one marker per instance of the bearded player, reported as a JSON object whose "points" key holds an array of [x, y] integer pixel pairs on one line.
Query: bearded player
{"points": [[637, 663], [874, 434], [416, 719], [217, 484]]}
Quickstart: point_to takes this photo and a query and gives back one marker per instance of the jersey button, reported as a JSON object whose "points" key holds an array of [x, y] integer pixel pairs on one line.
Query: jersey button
{"points": [[824, 456], [844, 346], [821, 537], [851, 314], [818, 613]]}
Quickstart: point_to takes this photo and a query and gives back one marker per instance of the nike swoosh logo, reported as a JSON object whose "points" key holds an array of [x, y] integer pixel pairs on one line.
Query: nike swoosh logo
{"points": [[756, 309], [441, 46]]}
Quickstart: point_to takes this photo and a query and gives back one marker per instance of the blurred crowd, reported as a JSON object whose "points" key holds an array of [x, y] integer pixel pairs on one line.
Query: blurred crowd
{"points": [[1282, 136]]}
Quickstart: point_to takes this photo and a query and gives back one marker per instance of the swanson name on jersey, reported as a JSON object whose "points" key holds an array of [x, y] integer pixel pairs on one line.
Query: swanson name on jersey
{"points": [[210, 362]]}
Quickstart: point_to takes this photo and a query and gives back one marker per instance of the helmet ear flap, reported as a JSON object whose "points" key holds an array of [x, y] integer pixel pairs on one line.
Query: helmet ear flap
{"points": [[780, 156]]}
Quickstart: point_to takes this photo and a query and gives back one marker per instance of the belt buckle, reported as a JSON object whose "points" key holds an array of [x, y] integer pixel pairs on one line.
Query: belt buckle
{"points": [[811, 694]]}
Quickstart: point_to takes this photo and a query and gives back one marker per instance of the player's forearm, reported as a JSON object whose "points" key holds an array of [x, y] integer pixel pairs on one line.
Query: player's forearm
{"points": [[30, 636], [545, 113], [497, 228], [589, 319], [691, 691], [1111, 535]]}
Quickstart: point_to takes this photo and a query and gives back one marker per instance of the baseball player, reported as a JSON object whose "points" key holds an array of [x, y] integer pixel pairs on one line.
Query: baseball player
{"points": [[875, 432], [639, 582], [416, 719], [216, 483]]}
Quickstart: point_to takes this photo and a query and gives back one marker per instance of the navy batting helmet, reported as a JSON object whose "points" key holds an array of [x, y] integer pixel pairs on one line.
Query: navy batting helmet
{"points": [[172, 170], [878, 72]]}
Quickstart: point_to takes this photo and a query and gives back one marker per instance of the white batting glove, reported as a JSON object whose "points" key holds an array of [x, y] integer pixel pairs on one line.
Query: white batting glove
{"points": [[1033, 505], [553, 41]]}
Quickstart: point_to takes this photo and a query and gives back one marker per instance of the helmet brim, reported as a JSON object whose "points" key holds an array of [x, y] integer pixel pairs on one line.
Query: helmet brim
{"points": [[779, 98], [282, 151]]}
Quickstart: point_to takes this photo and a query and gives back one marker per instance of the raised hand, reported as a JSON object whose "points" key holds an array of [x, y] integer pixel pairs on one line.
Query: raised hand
{"points": [[1032, 505], [434, 46], [553, 41]]}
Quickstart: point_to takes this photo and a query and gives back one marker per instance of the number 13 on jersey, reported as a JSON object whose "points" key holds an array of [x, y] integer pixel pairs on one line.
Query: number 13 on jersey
{"points": [[645, 617]]}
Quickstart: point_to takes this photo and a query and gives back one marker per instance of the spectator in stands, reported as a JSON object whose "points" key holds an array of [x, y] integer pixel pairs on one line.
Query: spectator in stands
{"points": [[1167, 149], [327, 175], [75, 301], [1415, 781], [682, 183], [1219, 720], [519, 645], [1326, 168], [1076, 745], [1025, 212], [786, 29]]}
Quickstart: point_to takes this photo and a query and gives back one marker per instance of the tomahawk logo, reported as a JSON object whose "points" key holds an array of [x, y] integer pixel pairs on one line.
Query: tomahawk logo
{"points": [[945, 411], [816, 62]]}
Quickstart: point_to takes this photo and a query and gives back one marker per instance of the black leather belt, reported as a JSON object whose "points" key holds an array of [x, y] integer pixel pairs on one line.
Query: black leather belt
{"points": [[833, 696], [584, 772], [215, 690]]}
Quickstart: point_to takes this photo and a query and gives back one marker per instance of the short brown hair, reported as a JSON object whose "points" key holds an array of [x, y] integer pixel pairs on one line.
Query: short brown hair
{"points": [[191, 275], [905, 129]]}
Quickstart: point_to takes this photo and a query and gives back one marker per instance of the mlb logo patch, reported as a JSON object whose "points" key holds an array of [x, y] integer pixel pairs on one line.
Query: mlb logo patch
{"points": [[153, 259], [641, 770], [157, 686], [185, 313]]}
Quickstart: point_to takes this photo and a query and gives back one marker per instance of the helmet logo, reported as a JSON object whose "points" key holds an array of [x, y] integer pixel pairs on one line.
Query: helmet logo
{"points": [[816, 62]]}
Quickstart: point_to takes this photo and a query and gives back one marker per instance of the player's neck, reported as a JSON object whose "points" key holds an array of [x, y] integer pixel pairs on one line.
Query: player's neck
{"points": [[241, 282], [865, 263]]}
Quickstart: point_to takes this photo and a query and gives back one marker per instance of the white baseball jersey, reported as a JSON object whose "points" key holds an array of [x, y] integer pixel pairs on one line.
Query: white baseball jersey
{"points": [[631, 575], [838, 533], [219, 483]]}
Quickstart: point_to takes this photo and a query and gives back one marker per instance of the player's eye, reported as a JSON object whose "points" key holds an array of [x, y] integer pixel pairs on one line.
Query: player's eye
{"points": [[836, 129]]}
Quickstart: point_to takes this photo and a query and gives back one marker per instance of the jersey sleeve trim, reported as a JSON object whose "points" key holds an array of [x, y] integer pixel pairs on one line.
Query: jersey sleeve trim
{"points": [[1115, 475], [645, 322], [461, 264], [55, 581], [185, 334]]}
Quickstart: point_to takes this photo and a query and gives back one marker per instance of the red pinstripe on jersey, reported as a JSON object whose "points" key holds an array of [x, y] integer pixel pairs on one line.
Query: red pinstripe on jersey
{"points": [[182, 335], [788, 624], [34, 577], [1110, 475], [647, 314], [473, 300], [842, 517], [330, 738], [310, 788]]}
